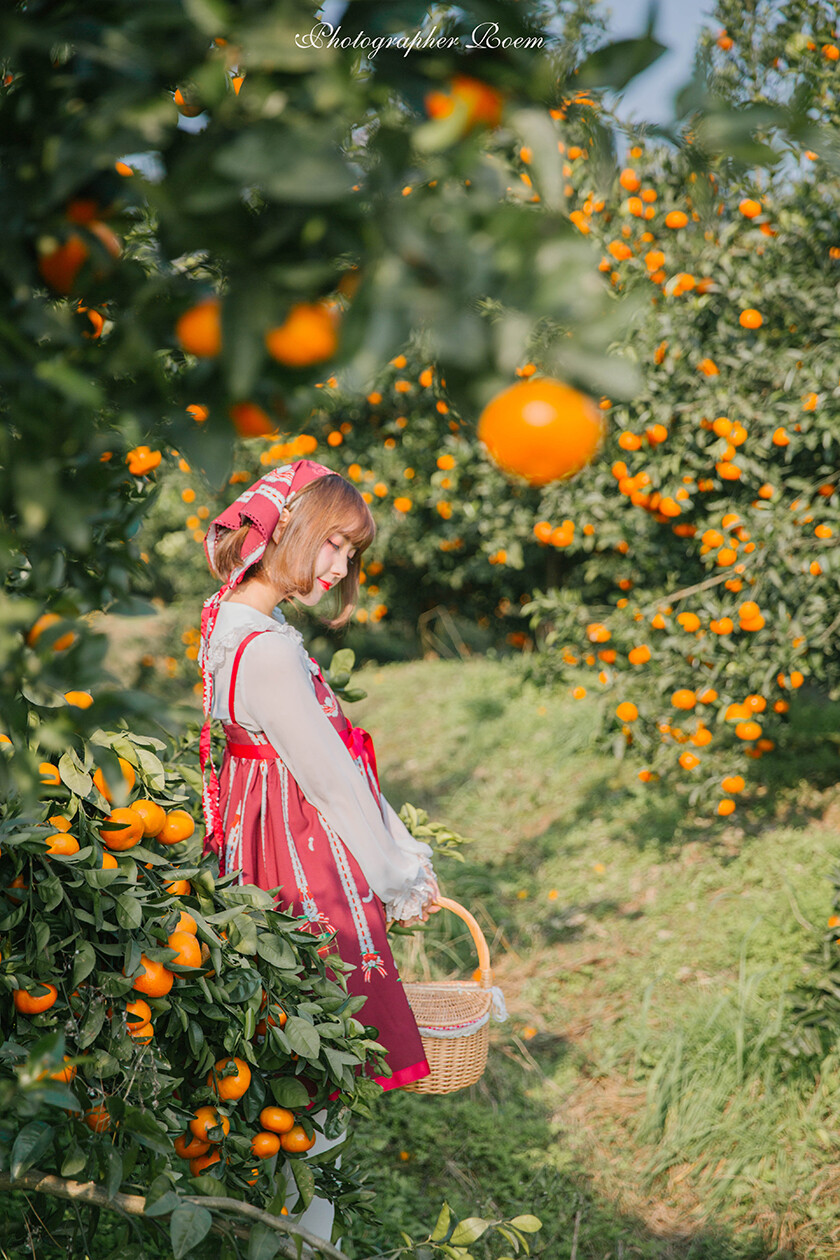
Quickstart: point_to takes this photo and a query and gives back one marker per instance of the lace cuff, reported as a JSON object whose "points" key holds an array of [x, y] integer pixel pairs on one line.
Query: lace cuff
{"points": [[412, 902]]}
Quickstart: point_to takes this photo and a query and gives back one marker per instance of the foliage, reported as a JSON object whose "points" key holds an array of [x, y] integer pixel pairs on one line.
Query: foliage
{"points": [[84, 928], [697, 585]]}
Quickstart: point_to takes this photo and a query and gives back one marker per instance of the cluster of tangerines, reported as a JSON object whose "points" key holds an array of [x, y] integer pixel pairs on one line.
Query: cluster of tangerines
{"points": [[89, 240], [308, 335], [202, 1144]]}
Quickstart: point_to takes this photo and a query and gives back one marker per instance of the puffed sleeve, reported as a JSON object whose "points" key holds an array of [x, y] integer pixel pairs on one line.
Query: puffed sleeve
{"points": [[274, 689]]}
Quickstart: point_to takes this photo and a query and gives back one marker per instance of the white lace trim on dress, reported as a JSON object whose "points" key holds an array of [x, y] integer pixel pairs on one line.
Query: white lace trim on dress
{"points": [[224, 641]]}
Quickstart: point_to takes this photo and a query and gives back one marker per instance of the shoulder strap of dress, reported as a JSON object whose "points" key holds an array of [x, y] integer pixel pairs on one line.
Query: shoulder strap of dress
{"points": [[235, 670]]}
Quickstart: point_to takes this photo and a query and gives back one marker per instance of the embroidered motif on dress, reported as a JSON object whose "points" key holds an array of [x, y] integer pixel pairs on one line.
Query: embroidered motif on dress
{"points": [[310, 908], [371, 959]]}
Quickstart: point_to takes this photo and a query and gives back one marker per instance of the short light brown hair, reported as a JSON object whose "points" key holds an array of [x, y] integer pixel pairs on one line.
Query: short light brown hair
{"points": [[325, 506]]}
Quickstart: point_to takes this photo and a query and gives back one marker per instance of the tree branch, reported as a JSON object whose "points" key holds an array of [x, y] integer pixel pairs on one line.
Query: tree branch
{"points": [[135, 1205]]}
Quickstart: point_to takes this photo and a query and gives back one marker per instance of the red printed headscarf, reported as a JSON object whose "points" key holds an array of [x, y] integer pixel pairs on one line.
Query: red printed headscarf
{"points": [[260, 506]]}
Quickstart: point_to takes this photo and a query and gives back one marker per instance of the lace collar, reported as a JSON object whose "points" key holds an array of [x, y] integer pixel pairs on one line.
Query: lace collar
{"points": [[235, 620]]}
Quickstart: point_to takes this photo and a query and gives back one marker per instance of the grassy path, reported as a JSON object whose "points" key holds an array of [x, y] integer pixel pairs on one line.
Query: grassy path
{"points": [[635, 1100]]}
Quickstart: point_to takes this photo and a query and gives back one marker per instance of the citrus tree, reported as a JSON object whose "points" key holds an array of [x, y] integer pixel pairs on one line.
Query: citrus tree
{"points": [[697, 585]]}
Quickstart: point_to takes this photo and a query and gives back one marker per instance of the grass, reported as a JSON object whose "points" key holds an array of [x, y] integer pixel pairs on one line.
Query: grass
{"points": [[636, 1099]]}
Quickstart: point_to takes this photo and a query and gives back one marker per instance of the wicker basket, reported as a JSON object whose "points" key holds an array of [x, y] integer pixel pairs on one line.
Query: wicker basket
{"points": [[454, 1017]]}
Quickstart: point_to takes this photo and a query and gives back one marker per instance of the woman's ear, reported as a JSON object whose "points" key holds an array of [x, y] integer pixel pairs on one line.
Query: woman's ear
{"points": [[285, 517]]}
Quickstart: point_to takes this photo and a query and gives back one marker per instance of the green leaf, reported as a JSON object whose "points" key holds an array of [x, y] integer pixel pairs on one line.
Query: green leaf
{"points": [[302, 1037], [276, 951], [129, 911], [441, 1228], [188, 1226], [528, 1224], [91, 1025], [73, 1162], [290, 1091], [242, 934], [114, 1173], [73, 774], [244, 985], [51, 892], [83, 963], [616, 64], [304, 1180], [30, 1144], [166, 1203], [342, 662], [469, 1231], [75, 386], [263, 1243]]}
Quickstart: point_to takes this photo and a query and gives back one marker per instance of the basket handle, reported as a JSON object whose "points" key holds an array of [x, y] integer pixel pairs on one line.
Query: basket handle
{"points": [[486, 980]]}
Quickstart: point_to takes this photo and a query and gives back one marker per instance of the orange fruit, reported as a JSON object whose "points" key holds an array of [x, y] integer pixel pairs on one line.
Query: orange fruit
{"points": [[307, 335], [141, 1010], [179, 887], [79, 699], [676, 219], [189, 950], [43, 623], [187, 923], [49, 774], [184, 105], [750, 208], [277, 1119], [122, 829], [154, 980], [733, 783], [750, 318], [249, 420], [178, 825], [205, 1119], [264, 1145], [477, 102], [153, 816], [29, 1003], [199, 329], [201, 1162], [60, 266], [98, 1119], [627, 711], [17, 882], [748, 730], [142, 460], [296, 1140], [109, 862], [189, 1147], [65, 1074], [683, 699], [128, 774], [233, 1086], [725, 807], [61, 844], [60, 822], [541, 429]]}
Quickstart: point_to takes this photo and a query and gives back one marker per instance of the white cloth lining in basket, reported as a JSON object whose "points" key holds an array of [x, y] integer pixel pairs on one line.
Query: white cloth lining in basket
{"points": [[498, 1010]]}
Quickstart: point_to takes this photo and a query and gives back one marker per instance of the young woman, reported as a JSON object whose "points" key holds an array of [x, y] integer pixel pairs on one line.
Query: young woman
{"points": [[298, 805]]}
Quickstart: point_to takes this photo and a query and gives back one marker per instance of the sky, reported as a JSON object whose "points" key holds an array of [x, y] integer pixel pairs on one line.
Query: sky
{"points": [[649, 97]]}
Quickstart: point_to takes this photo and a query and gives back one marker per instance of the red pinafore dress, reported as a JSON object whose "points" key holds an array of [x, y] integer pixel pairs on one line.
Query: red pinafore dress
{"points": [[280, 840]]}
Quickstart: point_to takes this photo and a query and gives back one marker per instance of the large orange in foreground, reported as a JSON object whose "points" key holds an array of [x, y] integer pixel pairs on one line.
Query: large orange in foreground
{"points": [[541, 429]]}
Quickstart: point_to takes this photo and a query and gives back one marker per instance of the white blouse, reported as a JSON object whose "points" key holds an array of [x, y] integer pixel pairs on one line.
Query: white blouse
{"points": [[275, 695]]}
